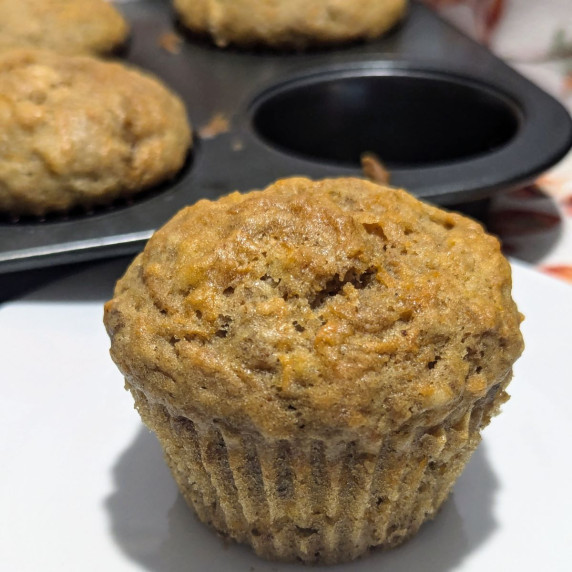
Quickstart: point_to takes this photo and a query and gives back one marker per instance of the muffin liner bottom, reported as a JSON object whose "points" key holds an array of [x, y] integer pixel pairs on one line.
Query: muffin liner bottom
{"points": [[310, 500]]}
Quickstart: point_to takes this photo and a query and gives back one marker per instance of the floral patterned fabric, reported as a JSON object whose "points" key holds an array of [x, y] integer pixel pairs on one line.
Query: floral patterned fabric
{"points": [[534, 36]]}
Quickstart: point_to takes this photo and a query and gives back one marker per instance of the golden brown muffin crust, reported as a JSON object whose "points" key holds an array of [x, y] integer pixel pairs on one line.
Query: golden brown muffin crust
{"points": [[79, 131], [292, 24], [65, 26], [326, 308]]}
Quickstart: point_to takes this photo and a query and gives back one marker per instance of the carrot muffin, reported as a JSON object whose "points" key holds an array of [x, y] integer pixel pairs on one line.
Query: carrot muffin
{"points": [[294, 24], [79, 132], [317, 360], [66, 26]]}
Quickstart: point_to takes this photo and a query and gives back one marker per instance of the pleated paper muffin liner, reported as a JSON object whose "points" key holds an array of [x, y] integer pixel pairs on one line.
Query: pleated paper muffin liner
{"points": [[312, 500]]}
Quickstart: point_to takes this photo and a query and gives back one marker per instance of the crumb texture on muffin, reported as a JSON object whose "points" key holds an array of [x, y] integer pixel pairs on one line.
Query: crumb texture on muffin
{"points": [[293, 24], [65, 26], [76, 131], [336, 306]]}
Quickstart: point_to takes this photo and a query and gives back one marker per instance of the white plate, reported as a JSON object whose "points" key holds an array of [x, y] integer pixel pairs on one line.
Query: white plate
{"points": [[83, 485]]}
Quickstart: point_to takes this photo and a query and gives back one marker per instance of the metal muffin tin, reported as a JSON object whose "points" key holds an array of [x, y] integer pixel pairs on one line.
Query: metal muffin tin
{"points": [[451, 122]]}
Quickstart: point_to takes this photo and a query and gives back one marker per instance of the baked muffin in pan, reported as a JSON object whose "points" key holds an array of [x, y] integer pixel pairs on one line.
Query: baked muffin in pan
{"points": [[76, 131], [66, 26], [296, 24]]}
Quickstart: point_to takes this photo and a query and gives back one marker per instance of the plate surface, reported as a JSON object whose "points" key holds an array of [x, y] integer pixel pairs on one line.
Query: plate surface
{"points": [[83, 485], [453, 123]]}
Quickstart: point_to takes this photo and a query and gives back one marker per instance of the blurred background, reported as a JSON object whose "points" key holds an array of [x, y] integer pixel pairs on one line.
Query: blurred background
{"points": [[535, 222]]}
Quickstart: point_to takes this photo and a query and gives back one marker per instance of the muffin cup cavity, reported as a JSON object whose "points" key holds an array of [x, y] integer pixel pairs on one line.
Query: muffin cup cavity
{"points": [[311, 500], [409, 119]]}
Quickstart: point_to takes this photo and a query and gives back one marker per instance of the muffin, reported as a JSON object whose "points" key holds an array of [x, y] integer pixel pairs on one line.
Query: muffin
{"points": [[80, 132], [295, 24], [317, 360], [66, 26]]}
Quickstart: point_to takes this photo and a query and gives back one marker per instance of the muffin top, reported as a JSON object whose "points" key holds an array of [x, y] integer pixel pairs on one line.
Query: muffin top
{"points": [[295, 24], [80, 131], [66, 26], [329, 308]]}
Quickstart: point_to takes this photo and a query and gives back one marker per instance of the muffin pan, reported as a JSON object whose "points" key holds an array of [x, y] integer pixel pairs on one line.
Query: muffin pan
{"points": [[450, 121]]}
